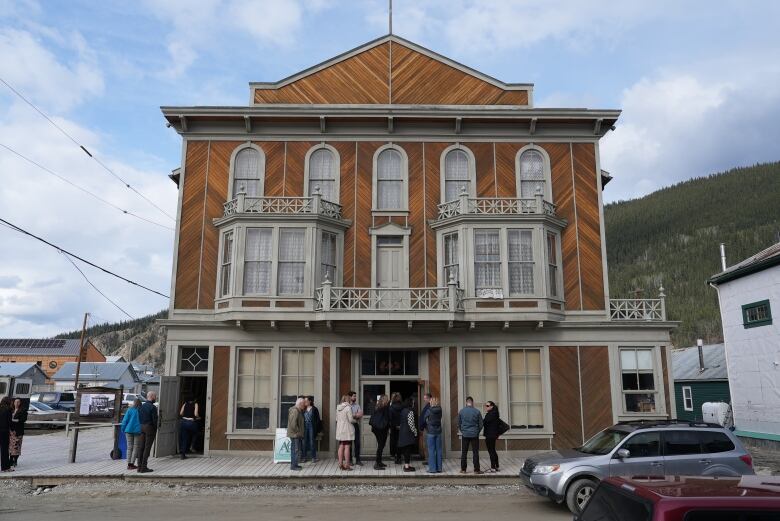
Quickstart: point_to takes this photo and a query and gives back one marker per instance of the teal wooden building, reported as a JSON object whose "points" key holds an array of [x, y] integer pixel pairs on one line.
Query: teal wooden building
{"points": [[700, 376]]}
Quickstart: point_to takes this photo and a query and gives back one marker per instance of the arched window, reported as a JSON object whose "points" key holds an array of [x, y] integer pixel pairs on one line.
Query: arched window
{"points": [[532, 174], [457, 177], [247, 172], [390, 180], [322, 174]]}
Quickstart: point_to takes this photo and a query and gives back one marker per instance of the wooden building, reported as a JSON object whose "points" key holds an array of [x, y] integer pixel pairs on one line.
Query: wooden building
{"points": [[50, 354], [392, 220], [700, 376]]}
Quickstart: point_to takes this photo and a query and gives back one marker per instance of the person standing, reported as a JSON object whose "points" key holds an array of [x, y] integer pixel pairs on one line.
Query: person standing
{"points": [[433, 437], [188, 425], [312, 427], [469, 425], [380, 426], [18, 419], [357, 414], [5, 434], [345, 432], [491, 432], [423, 418], [407, 434], [131, 426], [396, 406], [295, 432], [147, 416]]}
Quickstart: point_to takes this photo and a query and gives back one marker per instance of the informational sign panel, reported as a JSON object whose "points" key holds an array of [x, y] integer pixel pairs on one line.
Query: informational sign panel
{"points": [[282, 447], [97, 405]]}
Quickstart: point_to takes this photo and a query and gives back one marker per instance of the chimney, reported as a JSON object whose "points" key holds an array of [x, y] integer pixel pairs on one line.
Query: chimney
{"points": [[699, 344], [723, 257]]}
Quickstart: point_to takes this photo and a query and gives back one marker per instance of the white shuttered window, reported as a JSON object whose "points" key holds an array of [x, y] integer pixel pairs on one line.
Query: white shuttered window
{"points": [[292, 261], [389, 180], [257, 261], [322, 174]]}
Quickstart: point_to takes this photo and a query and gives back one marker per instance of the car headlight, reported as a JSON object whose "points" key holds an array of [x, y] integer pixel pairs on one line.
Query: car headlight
{"points": [[546, 469]]}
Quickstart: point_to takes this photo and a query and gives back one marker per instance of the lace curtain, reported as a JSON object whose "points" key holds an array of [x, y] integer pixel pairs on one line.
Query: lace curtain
{"points": [[451, 258], [257, 261], [291, 261], [456, 174], [487, 263], [389, 180], [246, 172], [520, 262], [322, 174], [227, 262], [531, 173], [328, 257]]}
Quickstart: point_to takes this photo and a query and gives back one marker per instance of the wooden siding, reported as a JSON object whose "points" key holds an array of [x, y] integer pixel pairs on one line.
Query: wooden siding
{"points": [[219, 399], [588, 227], [454, 400], [362, 222], [416, 79], [345, 373], [665, 376], [295, 160], [506, 185], [91, 354], [348, 156], [432, 152], [325, 403], [217, 175], [275, 156], [486, 177], [434, 373], [417, 271], [701, 392], [564, 381], [596, 391]]}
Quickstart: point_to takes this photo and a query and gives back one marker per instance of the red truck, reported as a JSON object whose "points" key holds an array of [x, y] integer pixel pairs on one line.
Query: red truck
{"points": [[685, 498]]}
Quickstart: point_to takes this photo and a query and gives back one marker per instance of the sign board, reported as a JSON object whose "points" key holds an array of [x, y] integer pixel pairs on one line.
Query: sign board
{"points": [[282, 447], [97, 405]]}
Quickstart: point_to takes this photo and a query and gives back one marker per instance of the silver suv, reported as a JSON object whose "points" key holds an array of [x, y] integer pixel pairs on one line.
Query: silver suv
{"points": [[635, 449]]}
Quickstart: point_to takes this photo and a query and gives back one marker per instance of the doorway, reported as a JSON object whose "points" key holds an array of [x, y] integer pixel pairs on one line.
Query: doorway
{"points": [[196, 388], [370, 393]]}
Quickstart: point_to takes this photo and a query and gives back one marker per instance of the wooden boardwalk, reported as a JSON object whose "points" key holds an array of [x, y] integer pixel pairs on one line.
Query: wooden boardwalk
{"points": [[45, 460]]}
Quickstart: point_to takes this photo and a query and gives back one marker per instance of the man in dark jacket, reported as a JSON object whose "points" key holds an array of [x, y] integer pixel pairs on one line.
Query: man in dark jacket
{"points": [[396, 406], [147, 417], [469, 425], [312, 427], [423, 422]]}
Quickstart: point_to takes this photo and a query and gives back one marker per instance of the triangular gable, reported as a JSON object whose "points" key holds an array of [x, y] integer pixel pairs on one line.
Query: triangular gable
{"points": [[417, 77]]}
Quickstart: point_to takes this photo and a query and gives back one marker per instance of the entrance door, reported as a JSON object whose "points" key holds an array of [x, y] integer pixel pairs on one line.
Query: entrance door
{"points": [[370, 392], [169, 414], [195, 387], [389, 270]]}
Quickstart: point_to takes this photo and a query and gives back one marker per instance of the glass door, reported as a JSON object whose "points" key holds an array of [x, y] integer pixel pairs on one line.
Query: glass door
{"points": [[370, 393]]}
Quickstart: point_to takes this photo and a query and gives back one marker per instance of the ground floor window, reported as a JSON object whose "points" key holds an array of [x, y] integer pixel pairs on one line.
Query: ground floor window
{"points": [[637, 369], [687, 398], [526, 402], [296, 379], [481, 376], [253, 389]]}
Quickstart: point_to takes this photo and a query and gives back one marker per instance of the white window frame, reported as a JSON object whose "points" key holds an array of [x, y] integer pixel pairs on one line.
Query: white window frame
{"points": [[233, 257], [471, 168], [273, 383], [660, 406], [244, 261], [559, 265], [261, 168], [338, 273], [281, 375], [686, 399], [390, 230], [336, 166], [547, 170], [533, 262], [404, 182]]}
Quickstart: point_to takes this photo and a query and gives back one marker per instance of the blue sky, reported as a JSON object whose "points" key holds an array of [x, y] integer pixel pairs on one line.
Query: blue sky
{"points": [[697, 81]]}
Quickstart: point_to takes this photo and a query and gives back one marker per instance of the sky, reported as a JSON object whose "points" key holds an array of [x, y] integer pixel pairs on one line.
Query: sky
{"points": [[698, 83]]}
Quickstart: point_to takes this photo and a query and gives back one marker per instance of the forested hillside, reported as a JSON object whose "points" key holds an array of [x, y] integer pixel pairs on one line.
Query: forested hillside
{"points": [[672, 236]]}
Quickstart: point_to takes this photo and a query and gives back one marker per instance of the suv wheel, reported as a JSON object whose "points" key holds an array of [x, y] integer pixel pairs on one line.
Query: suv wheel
{"points": [[579, 493]]}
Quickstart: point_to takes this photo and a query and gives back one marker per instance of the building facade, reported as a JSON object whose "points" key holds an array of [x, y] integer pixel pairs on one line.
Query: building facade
{"points": [[748, 292], [700, 376], [50, 354], [393, 221]]}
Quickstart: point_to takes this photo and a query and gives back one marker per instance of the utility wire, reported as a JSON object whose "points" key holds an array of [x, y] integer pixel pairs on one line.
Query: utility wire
{"points": [[62, 178], [95, 287], [84, 149], [62, 250]]}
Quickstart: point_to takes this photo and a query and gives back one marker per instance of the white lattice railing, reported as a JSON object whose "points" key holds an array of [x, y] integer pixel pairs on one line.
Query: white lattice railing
{"points": [[638, 308], [495, 206], [389, 299], [282, 205]]}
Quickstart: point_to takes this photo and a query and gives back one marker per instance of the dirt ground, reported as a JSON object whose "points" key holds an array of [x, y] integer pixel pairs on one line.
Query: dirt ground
{"points": [[129, 501]]}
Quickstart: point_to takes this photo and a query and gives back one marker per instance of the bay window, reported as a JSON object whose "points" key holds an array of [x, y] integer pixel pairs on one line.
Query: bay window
{"points": [[451, 260], [292, 261], [520, 262], [487, 264], [257, 261], [552, 264], [637, 372], [227, 264], [328, 257]]}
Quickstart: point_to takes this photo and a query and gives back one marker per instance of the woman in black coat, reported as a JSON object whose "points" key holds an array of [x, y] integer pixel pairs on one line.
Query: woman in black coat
{"points": [[380, 426], [407, 434], [490, 429], [18, 419], [5, 433], [396, 406]]}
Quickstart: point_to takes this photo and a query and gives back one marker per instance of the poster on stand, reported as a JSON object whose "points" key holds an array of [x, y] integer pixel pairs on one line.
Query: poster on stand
{"points": [[282, 447]]}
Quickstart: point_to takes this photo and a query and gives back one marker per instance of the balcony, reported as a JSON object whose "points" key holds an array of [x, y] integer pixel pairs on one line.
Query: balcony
{"points": [[315, 205], [495, 206], [639, 309], [335, 299]]}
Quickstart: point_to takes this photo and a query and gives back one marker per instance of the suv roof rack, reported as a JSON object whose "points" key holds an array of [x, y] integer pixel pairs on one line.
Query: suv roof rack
{"points": [[646, 424]]}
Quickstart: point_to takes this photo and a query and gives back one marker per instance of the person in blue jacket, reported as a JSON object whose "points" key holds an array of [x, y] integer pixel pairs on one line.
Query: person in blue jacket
{"points": [[469, 425], [132, 429]]}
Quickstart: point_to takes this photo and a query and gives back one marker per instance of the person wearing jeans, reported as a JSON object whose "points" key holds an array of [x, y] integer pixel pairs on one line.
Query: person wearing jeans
{"points": [[433, 439], [132, 429], [188, 425], [357, 414], [469, 425]]}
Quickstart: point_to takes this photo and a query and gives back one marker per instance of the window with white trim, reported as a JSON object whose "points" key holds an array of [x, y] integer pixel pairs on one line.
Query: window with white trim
{"points": [[322, 174], [687, 398], [227, 264], [390, 180], [247, 173], [532, 175], [487, 263], [292, 261], [253, 389], [296, 378], [552, 265], [258, 261], [481, 376], [526, 395], [637, 371], [328, 257], [451, 262], [520, 261], [457, 177]]}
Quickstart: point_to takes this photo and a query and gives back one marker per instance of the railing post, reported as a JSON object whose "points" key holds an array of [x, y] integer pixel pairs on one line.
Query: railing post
{"points": [[316, 200], [539, 196], [452, 293], [326, 285], [662, 297], [464, 202], [241, 200]]}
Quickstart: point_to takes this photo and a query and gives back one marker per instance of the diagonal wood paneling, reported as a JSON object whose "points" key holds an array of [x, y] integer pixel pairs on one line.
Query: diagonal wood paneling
{"points": [[219, 397], [434, 372], [346, 152], [564, 382], [506, 185], [486, 180], [362, 222], [596, 391], [345, 373], [274, 168], [191, 225], [563, 197], [417, 273], [296, 160], [665, 375], [325, 402], [588, 226], [433, 153], [454, 400]]}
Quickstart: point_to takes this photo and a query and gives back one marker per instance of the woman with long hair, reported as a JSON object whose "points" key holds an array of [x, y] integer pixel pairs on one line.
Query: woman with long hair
{"points": [[490, 429], [5, 434], [18, 419], [396, 406], [380, 425], [407, 434], [188, 426], [345, 432], [433, 438]]}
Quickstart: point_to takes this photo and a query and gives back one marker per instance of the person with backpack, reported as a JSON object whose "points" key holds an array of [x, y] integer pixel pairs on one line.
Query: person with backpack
{"points": [[494, 427], [380, 426]]}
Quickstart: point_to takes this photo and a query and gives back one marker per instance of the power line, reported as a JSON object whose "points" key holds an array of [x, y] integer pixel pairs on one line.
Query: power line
{"points": [[95, 287], [84, 149], [62, 178], [62, 250]]}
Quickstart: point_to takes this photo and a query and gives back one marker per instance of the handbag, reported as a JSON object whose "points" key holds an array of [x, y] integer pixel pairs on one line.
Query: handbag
{"points": [[502, 427]]}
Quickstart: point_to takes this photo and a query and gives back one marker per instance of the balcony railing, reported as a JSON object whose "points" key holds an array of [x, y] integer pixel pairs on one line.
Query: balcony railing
{"points": [[389, 299], [282, 205], [648, 309], [495, 206]]}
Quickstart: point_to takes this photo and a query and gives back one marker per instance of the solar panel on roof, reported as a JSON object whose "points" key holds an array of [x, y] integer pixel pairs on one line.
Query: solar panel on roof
{"points": [[33, 343]]}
